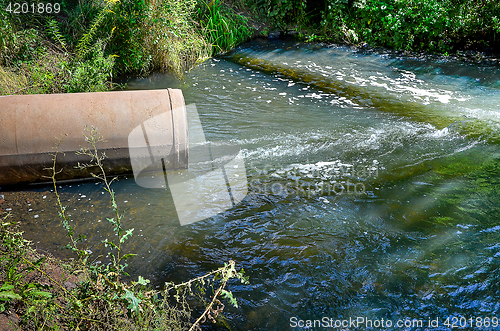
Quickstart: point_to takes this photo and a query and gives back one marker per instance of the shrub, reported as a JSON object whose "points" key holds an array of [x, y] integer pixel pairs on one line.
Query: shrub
{"points": [[432, 25], [93, 74]]}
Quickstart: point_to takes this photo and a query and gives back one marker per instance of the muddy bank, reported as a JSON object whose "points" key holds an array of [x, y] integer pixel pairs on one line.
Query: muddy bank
{"points": [[26, 209], [57, 269]]}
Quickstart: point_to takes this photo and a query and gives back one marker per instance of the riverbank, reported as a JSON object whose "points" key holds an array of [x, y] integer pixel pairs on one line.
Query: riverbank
{"points": [[413, 25], [86, 46], [34, 283]]}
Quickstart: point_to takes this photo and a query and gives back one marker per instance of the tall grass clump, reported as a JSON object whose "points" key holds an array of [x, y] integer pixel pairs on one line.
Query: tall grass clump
{"points": [[11, 83], [171, 38], [224, 28], [152, 35]]}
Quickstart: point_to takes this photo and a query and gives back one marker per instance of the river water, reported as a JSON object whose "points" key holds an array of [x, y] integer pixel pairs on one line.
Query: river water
{"points": [[373, 189]]}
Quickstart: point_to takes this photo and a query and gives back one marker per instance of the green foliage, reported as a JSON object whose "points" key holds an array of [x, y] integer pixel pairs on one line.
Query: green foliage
{"points": [[7, 37], [423, 24], [197, 286], [124, 21], [173, 42], [55, 33], [155, 35], [40, 60], [52, 72], [223, 28], [432, 25], [84, 44], [403, 24], [280, 13], [92, 74], [89, 42], [18, 261]]}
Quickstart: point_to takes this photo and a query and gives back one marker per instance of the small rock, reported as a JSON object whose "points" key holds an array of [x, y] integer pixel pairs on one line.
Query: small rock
{"points": [[2, 201], [274, 34], [69, 285]]}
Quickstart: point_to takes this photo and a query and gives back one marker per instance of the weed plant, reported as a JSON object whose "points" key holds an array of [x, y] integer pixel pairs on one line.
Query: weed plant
{"points": [[99, 299]]}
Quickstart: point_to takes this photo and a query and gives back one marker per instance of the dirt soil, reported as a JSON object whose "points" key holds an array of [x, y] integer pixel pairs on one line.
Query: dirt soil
{"points": [[55, 271]]}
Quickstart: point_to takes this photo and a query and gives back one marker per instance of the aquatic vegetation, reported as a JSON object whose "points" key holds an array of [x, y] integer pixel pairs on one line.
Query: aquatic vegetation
{"points": [[366, 97]]}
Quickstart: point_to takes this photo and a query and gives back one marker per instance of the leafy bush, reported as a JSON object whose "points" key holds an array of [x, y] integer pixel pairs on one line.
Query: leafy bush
{"points": [[433, 25], [92, 74], [425, 24], [403, 24]]}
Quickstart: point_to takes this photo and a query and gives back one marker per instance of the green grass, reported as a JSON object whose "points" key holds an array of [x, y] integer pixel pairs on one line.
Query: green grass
{"points": [[224, 29], [88, 43]]}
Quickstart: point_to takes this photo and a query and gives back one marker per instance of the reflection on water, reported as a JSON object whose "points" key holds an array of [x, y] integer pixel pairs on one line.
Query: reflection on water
{"points": [[420, 240]]}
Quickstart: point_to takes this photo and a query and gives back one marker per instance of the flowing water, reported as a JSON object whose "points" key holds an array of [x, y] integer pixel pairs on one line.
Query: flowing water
{"points": [[373, 189]]}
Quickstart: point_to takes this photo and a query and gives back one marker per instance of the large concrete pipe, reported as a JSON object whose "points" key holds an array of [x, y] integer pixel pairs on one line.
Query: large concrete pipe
{"points": [[31, 126]]}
